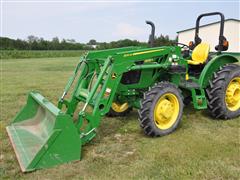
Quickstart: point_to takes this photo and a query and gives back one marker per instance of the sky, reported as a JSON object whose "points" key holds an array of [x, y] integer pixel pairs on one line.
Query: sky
{"points": [[105, 21]]}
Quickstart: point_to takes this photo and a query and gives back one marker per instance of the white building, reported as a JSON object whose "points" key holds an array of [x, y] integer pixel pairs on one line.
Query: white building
{"points": [[210, 32]]}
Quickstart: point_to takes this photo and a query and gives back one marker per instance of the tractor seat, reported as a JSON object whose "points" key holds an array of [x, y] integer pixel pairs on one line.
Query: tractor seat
{"points": [[200, 54]]}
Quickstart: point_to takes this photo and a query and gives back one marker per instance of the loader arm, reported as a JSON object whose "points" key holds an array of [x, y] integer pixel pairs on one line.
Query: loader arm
{"points": [[109, 72]]}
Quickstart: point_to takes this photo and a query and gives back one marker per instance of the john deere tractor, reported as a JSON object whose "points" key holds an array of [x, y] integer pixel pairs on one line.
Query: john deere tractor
{"points": [[157, 81]]}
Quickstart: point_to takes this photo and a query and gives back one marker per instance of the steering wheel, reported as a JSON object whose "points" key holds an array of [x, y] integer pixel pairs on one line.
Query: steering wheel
{"points": [[182, 45], [185, 51]]}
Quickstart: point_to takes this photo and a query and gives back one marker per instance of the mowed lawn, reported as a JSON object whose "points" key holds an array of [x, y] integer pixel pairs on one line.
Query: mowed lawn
{"points": [[201, 148]]}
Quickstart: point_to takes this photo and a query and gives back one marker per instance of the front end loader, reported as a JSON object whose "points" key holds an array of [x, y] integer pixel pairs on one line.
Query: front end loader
{"points": [[157, 81]]}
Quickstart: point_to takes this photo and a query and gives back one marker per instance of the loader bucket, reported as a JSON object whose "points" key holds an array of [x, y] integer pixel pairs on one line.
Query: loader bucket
{"points": [[42, 136]]}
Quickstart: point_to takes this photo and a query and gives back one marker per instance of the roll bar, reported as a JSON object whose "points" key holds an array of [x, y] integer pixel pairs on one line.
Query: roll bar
{"points": [[197, 40]]}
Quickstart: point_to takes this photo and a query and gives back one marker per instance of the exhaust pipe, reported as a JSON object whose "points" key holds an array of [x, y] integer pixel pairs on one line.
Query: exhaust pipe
{"points": [[152, 35]]}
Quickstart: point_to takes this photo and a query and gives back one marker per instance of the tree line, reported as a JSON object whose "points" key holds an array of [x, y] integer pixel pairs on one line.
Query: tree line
{"points": [[36, 43]]}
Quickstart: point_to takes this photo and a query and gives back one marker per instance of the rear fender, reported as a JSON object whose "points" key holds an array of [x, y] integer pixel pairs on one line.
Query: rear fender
{"points": [[213, 66]]}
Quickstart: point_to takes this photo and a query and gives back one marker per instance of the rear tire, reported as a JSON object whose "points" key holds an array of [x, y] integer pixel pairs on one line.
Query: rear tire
{"points": [[223, 92], [161, 109]]}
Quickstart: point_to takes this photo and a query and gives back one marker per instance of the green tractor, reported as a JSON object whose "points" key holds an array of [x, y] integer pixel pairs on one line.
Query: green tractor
{"points": [[157, 81]]}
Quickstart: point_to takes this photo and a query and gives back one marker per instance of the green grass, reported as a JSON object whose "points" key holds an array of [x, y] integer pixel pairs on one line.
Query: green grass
{"points": [[201, 148], [16, 54]]}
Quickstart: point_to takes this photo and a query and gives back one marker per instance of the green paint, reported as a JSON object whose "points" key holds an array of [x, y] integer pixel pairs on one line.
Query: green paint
{"points": [[214, 65], [44, 135]]}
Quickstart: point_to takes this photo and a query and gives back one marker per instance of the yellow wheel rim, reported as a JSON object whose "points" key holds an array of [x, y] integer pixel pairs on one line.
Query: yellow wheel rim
{"points": [[117, 107], [166, 111], [232, 97]]}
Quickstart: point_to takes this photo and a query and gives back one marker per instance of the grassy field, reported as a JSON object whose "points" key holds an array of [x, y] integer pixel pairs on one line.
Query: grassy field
{"points": [[15, 54], [201, 148]]}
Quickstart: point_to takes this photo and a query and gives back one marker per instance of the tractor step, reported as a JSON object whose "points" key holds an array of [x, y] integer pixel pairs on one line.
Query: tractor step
{"points": [[199, 98]]}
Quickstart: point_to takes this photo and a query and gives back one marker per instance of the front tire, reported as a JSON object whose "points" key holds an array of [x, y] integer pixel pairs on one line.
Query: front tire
{"points": [[161, 109], [224, 93]]}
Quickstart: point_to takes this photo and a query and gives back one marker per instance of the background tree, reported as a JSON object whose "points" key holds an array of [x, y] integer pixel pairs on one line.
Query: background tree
{"points": [[36, 43], [92, 42]]}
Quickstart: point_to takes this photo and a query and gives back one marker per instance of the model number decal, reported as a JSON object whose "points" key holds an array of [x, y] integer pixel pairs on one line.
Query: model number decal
{"points": [[143, 52]]}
